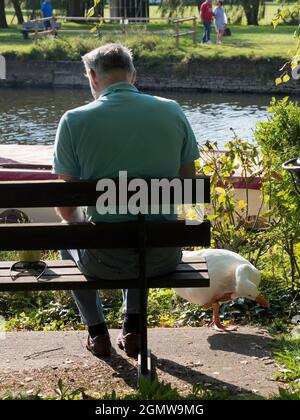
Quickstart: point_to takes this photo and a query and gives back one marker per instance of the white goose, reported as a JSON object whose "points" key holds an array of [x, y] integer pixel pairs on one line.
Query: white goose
{"points": [[231, 276]]}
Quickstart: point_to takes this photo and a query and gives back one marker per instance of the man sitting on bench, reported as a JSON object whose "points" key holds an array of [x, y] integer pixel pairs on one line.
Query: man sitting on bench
{"points": [[122, 130]]}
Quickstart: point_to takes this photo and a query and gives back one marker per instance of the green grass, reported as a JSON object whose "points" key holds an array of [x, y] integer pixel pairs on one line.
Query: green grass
{"points": [[155, 41], [287, 351], [156, 391]]}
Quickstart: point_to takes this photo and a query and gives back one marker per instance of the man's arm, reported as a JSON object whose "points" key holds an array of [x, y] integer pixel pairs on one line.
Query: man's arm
{"points": [[66, 166], [201, 16], [69, 214], [188, 170]]}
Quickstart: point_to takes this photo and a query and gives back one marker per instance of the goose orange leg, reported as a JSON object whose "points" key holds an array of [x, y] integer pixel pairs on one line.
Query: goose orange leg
{"points": [[218, 326]]}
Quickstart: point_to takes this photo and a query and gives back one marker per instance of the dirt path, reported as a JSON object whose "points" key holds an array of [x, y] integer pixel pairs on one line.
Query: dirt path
{"points": [[239, 361]]}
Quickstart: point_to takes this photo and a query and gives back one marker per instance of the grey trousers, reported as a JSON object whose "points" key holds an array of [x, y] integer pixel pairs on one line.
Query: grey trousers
{"points": [[89, 302]]}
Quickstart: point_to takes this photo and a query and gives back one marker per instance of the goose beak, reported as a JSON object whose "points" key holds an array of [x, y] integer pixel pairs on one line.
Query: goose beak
{"points": [[262, 301]]}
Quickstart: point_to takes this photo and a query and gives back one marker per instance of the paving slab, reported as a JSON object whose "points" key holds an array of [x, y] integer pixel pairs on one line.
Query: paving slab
{"points": [[239, 361]]}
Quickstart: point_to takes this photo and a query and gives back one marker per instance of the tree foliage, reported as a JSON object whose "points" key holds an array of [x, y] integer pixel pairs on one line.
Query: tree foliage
{"points": [[3, 22], [18, 11]]}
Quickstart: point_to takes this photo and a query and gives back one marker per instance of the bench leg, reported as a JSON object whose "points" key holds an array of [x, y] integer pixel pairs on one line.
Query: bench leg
{"points": [[144, 364], [148, 375], [144, 359]]}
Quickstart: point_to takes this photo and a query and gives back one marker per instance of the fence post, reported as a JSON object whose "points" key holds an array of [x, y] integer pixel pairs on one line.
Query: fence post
{"points": [[52, 24], [36, 30], [177, 34], [195, 30]]}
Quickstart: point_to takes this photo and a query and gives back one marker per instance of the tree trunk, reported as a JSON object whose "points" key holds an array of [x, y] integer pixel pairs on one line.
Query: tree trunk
{"points": [[18, 11], [3, 23], [129, 8], [75, 8], [251, 8]]}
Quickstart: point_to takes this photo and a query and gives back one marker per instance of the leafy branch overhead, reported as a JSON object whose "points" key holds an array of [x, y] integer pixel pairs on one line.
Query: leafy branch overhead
{"points": [[291, 67], [92, 11]]}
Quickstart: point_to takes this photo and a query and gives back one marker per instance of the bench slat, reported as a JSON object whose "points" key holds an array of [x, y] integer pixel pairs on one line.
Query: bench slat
{"points": [[61, 271], [71, 263], [71, 282], [28, 236], [50, 263], [186, 276], [79, 193]]}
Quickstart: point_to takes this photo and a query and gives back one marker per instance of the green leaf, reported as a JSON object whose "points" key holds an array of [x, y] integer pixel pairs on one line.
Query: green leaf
{"points": [[207, 170], [286, 78], [220, 190], [275, 22], [91, 11]]}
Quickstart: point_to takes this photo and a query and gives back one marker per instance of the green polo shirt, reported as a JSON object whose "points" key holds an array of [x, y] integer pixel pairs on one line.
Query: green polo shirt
{"points": [[123, 130]]}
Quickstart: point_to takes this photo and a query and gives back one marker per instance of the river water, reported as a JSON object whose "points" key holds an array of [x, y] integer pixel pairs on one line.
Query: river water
{"points": [[31, 116]]}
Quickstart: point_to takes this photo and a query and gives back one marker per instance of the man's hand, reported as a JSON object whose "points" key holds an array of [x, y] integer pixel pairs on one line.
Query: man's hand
{"points": [[70, 214], [188, 170]]}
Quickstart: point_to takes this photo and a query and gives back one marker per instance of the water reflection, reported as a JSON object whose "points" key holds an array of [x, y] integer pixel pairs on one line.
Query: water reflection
{"points": [[30, 116]]}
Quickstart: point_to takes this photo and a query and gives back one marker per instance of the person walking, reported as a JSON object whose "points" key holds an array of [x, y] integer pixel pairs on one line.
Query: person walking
{"points": [[220, 21], [206, 15]]}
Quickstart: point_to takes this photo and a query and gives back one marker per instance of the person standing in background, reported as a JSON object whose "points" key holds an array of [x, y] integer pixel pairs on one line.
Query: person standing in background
{"points": [[47, 12], [220, 21], [206, 15]]}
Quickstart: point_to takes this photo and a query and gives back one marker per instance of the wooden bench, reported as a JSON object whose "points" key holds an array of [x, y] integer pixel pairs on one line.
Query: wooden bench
{"points": [[32, 27], [140, 234]]}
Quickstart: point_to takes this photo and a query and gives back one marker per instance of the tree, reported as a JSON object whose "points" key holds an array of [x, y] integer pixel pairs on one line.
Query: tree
{"points": [[251, 9], [3, 23], [75, 8], [129, 9], [18, 11]]}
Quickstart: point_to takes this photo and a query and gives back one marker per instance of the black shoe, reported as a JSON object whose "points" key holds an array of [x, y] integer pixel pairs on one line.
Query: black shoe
{"points": [[130, 343]]}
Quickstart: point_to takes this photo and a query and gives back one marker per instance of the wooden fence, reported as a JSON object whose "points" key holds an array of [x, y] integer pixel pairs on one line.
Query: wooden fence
{"points": [[123, 21]]}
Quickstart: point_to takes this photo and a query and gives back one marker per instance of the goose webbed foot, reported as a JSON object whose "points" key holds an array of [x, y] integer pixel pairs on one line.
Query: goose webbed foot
{"points": [[216, 323], [224, 328]]}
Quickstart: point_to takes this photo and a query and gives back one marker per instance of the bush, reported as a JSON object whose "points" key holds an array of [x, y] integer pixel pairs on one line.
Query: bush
{"points": [[279, 141], [280, 135]]}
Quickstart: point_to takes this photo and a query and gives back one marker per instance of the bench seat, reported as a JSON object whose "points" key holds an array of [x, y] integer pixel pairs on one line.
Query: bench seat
{"points": [[64, 275], [30, 27]]}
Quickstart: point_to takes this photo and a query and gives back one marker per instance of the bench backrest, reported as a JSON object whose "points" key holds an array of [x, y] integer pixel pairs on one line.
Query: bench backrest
{"points": [[24, 236]]}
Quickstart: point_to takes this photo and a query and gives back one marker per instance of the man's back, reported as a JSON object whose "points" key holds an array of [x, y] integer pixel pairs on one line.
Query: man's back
{"points": [[125, 130]]}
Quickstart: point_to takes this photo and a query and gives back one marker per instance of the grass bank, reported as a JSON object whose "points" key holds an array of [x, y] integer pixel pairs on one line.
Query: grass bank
{"points": [[155, 42]]}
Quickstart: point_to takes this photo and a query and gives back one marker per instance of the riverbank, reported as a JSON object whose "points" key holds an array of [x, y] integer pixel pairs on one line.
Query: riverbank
{"points": [[213, 75], [248, 61]]}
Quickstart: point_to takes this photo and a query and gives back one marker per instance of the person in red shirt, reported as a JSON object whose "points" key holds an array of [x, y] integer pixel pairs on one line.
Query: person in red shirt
{"points": [[206, 15]]}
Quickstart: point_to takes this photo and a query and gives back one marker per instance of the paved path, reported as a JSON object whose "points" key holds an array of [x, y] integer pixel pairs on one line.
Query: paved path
{"points": [[239, 361]]}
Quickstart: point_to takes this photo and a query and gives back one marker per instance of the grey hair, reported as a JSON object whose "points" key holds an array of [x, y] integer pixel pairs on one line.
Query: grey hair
{"points": [[109, 57]]}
